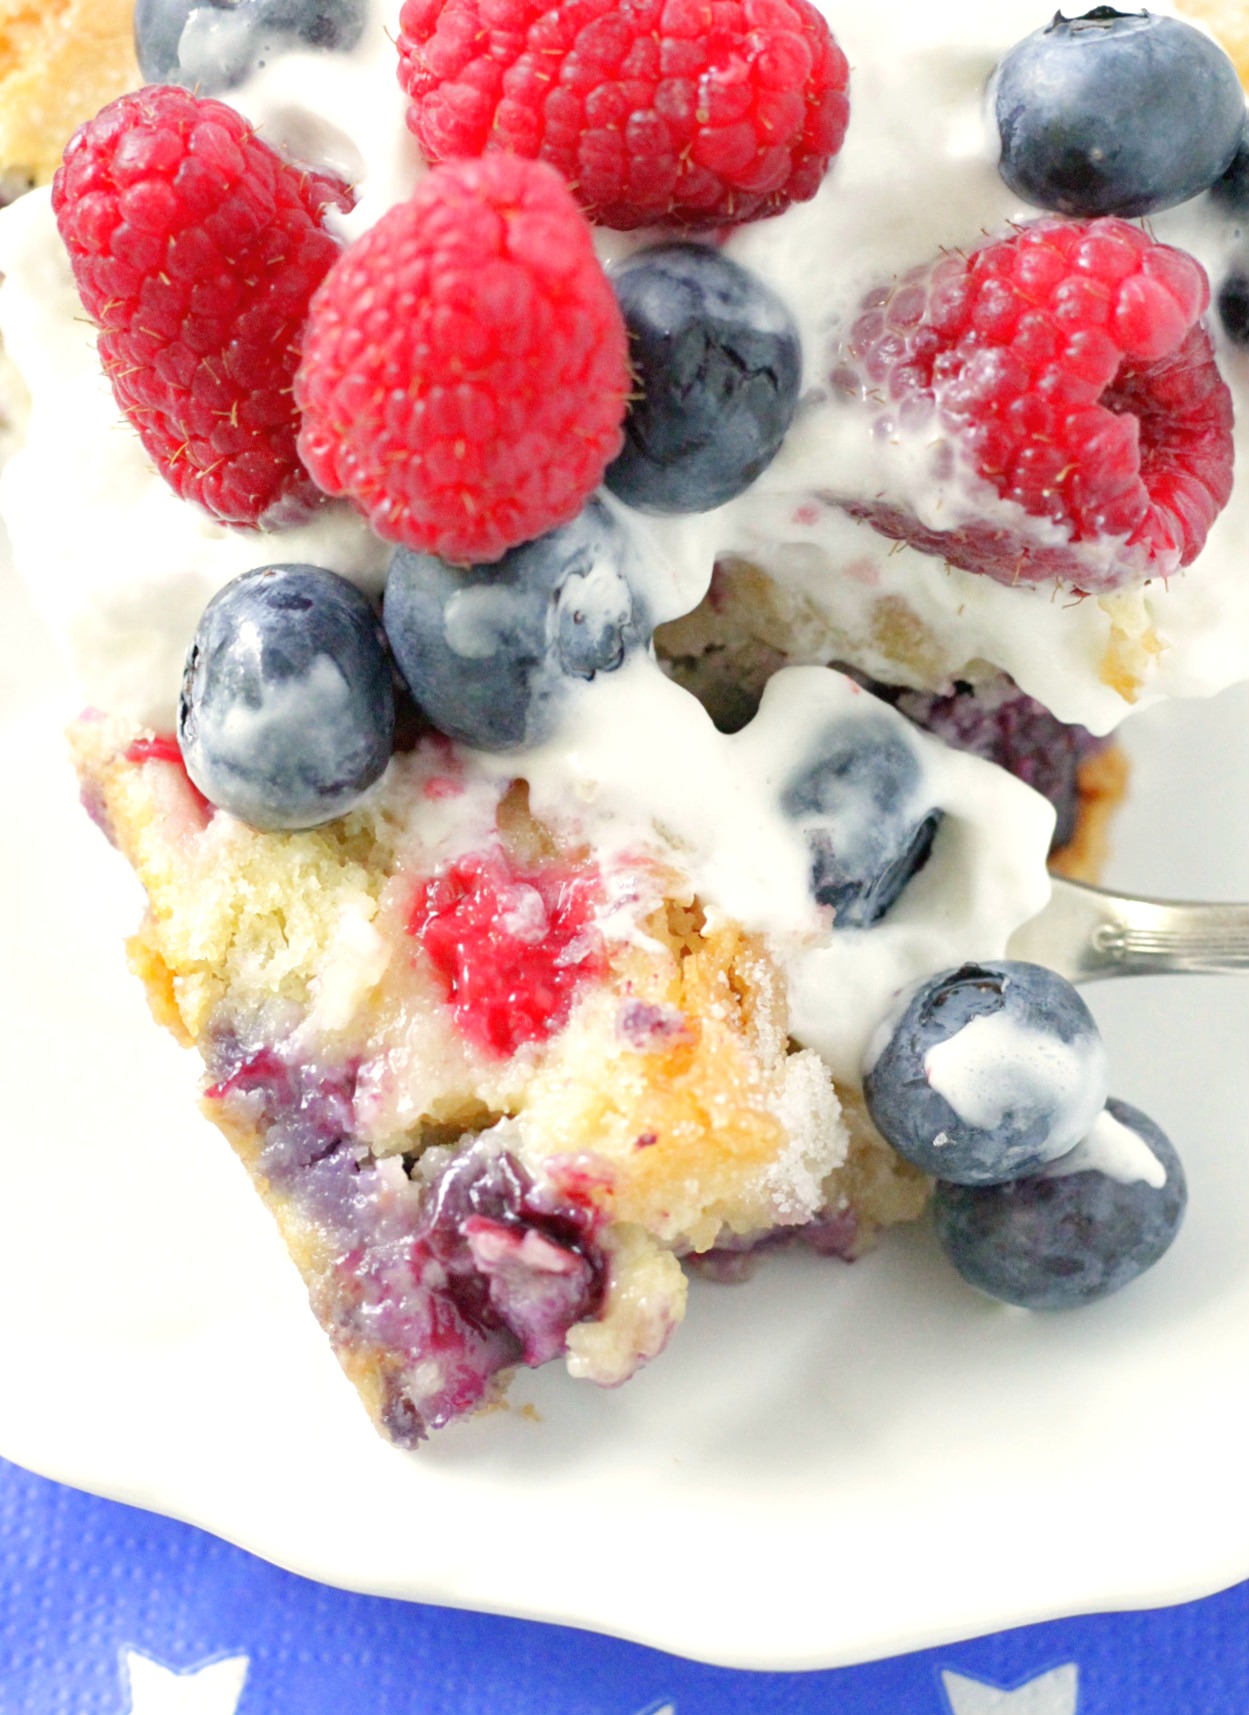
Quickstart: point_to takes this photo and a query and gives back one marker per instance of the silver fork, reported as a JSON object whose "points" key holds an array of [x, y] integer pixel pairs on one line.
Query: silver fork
{"points": [[1085, 933]]}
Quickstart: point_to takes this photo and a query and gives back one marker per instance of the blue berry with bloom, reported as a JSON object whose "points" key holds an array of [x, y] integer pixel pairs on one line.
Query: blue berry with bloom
{"points": [[986, 1073], [492, 654], [212, 45], [1079, 1229], [868, 822], [718, 364], [1116, 112]]}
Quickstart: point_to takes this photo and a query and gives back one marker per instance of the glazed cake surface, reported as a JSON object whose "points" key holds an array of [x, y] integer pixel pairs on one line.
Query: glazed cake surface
{"points": [[60, 61]]}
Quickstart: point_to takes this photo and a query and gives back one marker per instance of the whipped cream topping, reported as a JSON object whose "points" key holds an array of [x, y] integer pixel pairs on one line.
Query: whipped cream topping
{"points": [[123, 574], [639, 767], [1114, 1149], [995, 1066]]}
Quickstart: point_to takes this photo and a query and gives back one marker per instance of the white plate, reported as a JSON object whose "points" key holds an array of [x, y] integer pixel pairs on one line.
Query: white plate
{"points": [[828, 1464]]}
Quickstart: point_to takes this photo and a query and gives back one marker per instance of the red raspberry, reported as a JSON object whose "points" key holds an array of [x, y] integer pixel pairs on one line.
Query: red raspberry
{"points": [[512, 947], [670, 112], [465, 364], [196, 249], [1068, 368]]}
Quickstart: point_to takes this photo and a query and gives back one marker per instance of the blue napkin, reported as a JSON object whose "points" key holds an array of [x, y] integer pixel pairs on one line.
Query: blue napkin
{"points": [[105, 1610]]}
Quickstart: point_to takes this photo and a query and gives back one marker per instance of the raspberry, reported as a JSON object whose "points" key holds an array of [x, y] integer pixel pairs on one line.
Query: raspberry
{"points": [[511, 947], [657, 112], [465, 364], [195, 249], [1068, 370]]}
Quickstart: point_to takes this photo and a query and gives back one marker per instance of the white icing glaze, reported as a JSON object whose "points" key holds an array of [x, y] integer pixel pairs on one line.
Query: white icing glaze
{"points": [[287, 703], [1112, 1148], [995, 1065], [639, 768]]}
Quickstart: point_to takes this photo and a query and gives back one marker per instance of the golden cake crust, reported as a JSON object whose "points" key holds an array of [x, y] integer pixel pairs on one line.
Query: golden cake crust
{"points": [[703, 1126], [1102, 783], [60, 62]]}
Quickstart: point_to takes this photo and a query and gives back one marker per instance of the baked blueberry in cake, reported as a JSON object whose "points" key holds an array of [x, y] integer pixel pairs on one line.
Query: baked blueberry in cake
{"points": [[617, 550]]}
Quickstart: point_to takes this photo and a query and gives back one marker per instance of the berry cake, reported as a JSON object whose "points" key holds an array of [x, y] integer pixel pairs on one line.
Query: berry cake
{"points": [[607, 550]]}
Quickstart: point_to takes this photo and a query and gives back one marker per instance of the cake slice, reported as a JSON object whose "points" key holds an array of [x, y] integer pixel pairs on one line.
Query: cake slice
{"points": [[512, 1021], [491, 1087]]}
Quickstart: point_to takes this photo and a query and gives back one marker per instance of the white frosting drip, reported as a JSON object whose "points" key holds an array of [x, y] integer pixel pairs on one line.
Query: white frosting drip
{"points": [[1114, 1149], [995, 1065], [479, 618], [286, 704], [639, 768]]}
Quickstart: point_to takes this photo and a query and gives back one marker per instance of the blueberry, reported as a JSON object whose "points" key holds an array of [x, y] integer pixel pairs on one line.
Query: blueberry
{"points": [[212, 45], [287, 711], [491, 653], [508, 1257], [1234, 307], [996, 720], [1077, 1231], [1116, 113], [719, 365], [986, 1073], [1230, 194], [862, 806]]}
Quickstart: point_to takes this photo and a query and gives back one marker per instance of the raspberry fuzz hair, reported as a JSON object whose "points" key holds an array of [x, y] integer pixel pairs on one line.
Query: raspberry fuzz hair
{"points": [[1068, 368]]}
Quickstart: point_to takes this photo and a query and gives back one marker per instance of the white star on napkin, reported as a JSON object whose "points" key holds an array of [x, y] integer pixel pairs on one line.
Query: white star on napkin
{"points": [[1052, 1693], [213, 1689]]}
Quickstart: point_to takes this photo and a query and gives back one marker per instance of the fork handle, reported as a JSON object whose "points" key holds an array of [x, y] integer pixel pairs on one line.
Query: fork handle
{"points": [[1109, 935], [1205, 938]]}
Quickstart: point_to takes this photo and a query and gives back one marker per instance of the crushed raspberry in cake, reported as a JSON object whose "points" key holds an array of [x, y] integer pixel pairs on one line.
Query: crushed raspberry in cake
{"points": [[196, 249], [655, 113], [159, 747], [511, 946], [164, 747], [1068, 366]]}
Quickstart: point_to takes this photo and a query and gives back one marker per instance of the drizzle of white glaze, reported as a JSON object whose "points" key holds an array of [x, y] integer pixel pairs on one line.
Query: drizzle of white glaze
{"points": [[1114, 1149], [996, 1065]]}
